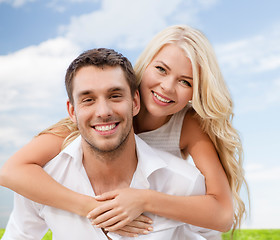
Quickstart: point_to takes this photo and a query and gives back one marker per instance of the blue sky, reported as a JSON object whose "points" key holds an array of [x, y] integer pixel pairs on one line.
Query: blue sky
{"points": [[40, 38]]}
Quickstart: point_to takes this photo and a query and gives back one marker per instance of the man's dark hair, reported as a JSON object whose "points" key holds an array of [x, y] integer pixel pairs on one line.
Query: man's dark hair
{"points": [[100, 57]]}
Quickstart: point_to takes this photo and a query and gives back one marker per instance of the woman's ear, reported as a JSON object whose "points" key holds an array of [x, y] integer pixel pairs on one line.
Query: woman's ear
{"points": [[71, 111], [136, 103]]}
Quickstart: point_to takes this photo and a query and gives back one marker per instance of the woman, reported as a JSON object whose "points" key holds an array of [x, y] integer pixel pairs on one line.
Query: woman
{"points": [[186, 109]]}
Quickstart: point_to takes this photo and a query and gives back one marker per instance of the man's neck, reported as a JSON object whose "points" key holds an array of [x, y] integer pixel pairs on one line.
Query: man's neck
{"points": [[109, 171], [144, 121]]}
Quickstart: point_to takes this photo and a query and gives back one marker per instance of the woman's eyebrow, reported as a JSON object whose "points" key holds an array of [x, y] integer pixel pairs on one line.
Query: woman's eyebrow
{"points": [[166, 66]]}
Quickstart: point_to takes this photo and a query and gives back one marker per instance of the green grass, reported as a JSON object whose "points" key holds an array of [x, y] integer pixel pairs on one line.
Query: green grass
{"points": [[249, 234], [48, 235], [254, 234]]}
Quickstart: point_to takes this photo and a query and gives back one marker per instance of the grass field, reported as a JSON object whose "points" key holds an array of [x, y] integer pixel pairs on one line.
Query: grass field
{"points": [[238, 235]]}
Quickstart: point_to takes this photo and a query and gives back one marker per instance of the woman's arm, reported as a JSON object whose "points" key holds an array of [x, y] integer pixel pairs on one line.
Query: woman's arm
{"points": [[213, 210], [126, 204], [23, 174]]}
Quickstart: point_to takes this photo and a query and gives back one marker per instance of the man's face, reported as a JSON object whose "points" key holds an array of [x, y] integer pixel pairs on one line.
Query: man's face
{"points": [[103, 107]]}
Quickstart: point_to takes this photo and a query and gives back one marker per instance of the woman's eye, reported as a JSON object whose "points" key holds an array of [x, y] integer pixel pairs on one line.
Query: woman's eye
{"points": [[185, 83], [161, 69]]}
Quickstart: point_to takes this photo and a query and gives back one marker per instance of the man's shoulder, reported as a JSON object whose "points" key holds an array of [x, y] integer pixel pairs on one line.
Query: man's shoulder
{"points": [[173, 163], [176, 162], [67, 161], [73, 150]]}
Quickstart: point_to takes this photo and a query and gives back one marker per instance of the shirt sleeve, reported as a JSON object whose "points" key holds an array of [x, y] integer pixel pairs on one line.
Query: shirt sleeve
{"points": [[24, 222]]}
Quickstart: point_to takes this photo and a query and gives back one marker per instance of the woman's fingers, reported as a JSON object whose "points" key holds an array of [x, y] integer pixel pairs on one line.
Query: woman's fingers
{"points": [[145, 219], [106, 196], [100, 210], [114, 223], [133, 229], [126, 234], [117, 224], [101, 219], [141, 223]]}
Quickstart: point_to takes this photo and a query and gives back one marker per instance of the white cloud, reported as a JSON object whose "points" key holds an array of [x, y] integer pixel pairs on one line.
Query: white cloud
{"points": [[263, 180], [32, 91], [17, 3], [58, 5], [32, 76], [256, 96], [62, 5], [259, 173], [257, 54], [124, 23], [265, 210], [130, 24], [251, 67]]}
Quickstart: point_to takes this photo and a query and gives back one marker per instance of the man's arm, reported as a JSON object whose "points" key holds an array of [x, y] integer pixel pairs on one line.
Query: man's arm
{"points": [[25, 222]]}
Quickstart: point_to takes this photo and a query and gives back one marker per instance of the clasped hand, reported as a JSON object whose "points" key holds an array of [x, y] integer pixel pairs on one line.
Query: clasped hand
{"points": [[121, 213]]}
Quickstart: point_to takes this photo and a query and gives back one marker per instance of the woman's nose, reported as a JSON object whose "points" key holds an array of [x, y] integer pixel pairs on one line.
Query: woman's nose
{"points": [[167, 85]]}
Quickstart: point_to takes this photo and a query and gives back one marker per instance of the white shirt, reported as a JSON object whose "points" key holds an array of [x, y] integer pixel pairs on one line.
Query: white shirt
{"points": [[155, 170]]}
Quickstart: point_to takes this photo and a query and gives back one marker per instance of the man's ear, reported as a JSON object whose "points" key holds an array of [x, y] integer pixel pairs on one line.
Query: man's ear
{"points": [[71, 111], [136, 103]]}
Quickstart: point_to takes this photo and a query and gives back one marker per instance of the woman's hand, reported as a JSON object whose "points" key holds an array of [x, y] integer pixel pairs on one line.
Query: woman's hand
{"points": [[121, 208], [141, 225]]}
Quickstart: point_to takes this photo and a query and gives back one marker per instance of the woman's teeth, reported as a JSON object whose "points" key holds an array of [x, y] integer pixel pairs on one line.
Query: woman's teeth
{"points": [[161, 98]]}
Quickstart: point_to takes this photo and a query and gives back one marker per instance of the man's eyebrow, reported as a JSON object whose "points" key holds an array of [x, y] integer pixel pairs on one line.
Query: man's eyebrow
{"points": [[112, 89], [116, 89], [85, 92], [166, 66]]}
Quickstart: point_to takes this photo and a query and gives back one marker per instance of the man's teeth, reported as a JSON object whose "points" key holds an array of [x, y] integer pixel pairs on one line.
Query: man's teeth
{"points": [[105, 128], [160, 98]]}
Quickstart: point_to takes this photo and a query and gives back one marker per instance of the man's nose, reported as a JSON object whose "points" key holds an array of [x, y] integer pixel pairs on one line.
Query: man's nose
{"points": [[103, 109]]}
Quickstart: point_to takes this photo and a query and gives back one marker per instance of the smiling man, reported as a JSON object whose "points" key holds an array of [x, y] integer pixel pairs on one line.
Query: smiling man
{"points": [[103, 98]]}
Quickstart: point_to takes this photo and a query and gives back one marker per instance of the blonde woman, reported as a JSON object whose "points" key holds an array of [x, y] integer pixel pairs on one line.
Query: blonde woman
{"points": [[186, 109]]}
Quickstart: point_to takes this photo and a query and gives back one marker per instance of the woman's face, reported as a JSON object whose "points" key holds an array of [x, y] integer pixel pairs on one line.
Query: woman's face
{"points": [[167, 82]]}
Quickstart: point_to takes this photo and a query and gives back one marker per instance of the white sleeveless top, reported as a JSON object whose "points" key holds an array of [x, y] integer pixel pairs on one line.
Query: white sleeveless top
{"points": [[167, 137]]}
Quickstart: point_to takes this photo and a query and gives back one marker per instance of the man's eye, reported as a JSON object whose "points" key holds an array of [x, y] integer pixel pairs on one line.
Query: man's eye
{"points": [[115, 96], [87, 100], [160, 69]]}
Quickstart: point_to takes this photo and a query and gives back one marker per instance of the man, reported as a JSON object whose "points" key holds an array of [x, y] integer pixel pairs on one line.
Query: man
{"points": [[103, 99]]}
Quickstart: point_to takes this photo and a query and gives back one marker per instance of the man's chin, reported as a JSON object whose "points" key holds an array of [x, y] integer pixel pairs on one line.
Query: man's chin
{"points": [[105, 147]]}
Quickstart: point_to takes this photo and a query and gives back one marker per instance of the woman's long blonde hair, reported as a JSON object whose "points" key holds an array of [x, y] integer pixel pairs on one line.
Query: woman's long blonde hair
{"points": [[211, 101]]}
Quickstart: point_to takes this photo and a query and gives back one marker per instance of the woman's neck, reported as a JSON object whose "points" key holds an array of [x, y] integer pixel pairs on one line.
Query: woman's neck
{"points": [[144, 121]]}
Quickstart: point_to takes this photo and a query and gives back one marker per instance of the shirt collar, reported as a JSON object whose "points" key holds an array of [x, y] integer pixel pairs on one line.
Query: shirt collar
{"points": [[74, 150], [148, 160]]}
